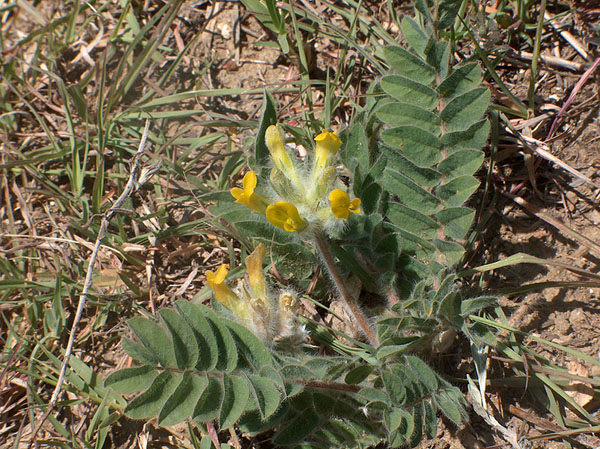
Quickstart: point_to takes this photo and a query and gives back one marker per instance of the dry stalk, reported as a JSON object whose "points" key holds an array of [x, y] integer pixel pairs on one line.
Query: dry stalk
{"points": [[360, 320]]}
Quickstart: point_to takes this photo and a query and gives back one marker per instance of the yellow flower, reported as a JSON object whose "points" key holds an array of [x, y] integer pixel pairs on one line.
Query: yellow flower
{"points": [[328, 144], [256, 277], [223, 294], [341, 206], [279, 155], [285, 216], [247, 197]]}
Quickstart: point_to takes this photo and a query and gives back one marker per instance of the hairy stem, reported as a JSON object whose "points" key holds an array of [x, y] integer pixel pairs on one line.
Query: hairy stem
{"points": [[337, 279]]}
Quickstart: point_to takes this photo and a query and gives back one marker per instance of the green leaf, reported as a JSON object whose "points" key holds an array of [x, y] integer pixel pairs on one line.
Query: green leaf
{"points": [[208, 406], [235, 399], [425, 177], [393, 419], [358, 374], [269, 117], [423, 372], [457, 192], [430, 420], [473, 305], [351, 263], [266, 395], [130, 380], [228, 357], [394, 386], [398, 114], [375, 395], [138, 352], [180, 405], [410, 193], [153, 337], [409, 65], [355, 148], [149, 403], [460, 81], [450, 307], [449, 407], [421, 147], [466, 109], [205, 337], [417, 434], [396, 439], [408, 424], [414, 35], [412, 221], [447, 13], [474, 137], [409, 91], [438, 56], [456, 221], [461, 163], [274, 375], [249, 346], [369, 197], [395, 345], [297, 429], [412, 244], [184, 341], [450, 252], [294, 371], [423, 7]]}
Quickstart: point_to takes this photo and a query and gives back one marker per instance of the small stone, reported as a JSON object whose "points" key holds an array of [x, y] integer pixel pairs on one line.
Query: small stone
{"points": [[562, 324]]}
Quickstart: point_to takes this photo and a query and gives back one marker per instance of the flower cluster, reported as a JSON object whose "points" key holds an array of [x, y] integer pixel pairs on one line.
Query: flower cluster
{"points": [[271, 319], [300, 199]]}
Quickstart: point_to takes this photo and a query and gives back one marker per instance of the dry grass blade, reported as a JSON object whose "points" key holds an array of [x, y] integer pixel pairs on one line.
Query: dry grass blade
{"points": [[571, 97], [541, 149], [566, 230]]}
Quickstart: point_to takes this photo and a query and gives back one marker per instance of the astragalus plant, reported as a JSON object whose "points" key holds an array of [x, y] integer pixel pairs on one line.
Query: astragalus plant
{"points": [[381, 206]]}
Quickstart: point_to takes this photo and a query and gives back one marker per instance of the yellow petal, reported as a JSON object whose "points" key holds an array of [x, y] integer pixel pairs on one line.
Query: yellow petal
{"points": [[341, 206], [223, 294], [355, 206], [328, 144], [284, 215], [238, 194], [247, 197], [221, 273], [255, 271], [249, 182], [279, 155]]}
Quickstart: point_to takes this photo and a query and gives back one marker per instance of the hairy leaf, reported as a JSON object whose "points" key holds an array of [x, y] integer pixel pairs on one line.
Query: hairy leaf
{"points": [[203, 333], [184, 399], [409, 65], [235, 398], [209, 405], [130, 380], [409, 91], [154, 339], [149, 403], [184, 342]]}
